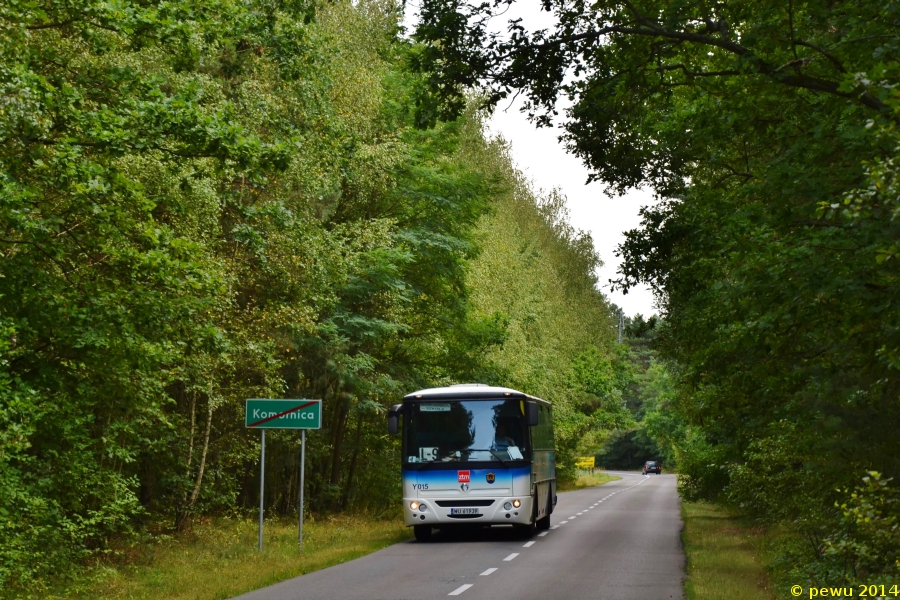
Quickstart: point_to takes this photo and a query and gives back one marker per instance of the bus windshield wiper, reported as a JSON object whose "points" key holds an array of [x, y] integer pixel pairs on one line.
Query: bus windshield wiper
{"points": [[448, 454], [494, 454]]}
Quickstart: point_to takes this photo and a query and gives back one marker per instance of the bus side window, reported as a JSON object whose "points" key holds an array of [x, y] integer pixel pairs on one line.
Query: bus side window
{"points": [[546, 427], [542, 433], [548, 430], [539, 430]]}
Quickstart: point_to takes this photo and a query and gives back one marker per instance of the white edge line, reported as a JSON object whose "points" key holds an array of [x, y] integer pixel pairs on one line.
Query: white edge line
{"points": [[511, 556], [489, 571], [460, 589]]}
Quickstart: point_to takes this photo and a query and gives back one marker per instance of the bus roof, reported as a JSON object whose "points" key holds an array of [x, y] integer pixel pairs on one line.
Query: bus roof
{"points": [[469, 391]]}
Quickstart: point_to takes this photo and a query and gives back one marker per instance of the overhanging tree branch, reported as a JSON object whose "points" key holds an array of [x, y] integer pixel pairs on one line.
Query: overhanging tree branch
{"points": [[756, 64]]}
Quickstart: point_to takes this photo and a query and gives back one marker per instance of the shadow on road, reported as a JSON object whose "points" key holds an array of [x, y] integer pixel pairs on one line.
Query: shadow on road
{"points": [[473, 534]]}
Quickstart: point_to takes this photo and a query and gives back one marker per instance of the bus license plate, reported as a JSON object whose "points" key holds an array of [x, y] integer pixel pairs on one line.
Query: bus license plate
{"points": [[464, 511]]}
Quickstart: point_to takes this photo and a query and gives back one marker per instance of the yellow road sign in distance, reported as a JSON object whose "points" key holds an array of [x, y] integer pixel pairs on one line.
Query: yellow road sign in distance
{"points": [[584, 462]]}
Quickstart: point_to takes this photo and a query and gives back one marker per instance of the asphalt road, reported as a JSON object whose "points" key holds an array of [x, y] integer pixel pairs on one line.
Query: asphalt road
{"points": [[613, 542]]}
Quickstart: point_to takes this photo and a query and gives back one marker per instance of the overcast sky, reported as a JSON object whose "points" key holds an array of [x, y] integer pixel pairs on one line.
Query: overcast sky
{"points": [[539, 154]]}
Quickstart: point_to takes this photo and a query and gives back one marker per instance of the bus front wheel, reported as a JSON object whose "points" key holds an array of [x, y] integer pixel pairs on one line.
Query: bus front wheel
{"points": [[543, 524], [526, 531], [423, 532]]}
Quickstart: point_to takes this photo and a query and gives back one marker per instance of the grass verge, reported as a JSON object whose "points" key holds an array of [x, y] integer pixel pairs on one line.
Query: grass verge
{"points": [[586, 480], [218, 559], [726, 558]]}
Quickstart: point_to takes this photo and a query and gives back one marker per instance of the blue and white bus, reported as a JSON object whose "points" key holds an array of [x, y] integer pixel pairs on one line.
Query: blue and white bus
{"points": [[476, 455]]}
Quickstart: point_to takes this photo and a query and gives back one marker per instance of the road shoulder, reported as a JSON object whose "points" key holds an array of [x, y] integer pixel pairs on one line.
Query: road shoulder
{"points": [[726, 557]]}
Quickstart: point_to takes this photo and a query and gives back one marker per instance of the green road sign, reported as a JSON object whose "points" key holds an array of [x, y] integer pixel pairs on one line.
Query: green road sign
{"points": [[283, 414]]}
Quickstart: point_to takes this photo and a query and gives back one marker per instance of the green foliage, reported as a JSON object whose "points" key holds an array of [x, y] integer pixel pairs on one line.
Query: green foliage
{"points": [[870, 540], [193, 193], [653, 430], [863, 547]]}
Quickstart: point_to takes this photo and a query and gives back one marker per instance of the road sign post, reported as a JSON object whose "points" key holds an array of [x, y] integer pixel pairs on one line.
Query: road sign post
{"points": [[262, 485], [302, 465], [282, 414]]}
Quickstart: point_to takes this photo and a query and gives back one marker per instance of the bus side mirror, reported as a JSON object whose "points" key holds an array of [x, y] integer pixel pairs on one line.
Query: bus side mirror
{"points": [[394, 419], [531, 409]]}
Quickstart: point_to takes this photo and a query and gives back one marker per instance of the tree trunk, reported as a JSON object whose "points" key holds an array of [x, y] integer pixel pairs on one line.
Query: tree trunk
{"points": [[190, 458], [185, 512], [340, 423], [345, 499]]}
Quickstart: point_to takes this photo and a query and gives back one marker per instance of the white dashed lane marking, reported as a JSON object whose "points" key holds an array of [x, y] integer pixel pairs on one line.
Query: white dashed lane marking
{"points": [[460, 590], [489, 571], [528, 544], [511, 556], [596, 504]]}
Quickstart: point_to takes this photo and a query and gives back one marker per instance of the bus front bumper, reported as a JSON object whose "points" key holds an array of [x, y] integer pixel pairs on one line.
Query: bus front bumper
{"points": [[495, 514]]}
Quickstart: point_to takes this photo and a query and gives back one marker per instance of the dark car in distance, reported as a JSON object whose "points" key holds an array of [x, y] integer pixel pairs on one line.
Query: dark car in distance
{"points": [[651, 466]]}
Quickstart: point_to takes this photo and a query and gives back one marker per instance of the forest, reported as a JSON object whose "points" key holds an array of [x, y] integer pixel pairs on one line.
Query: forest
{"points": [[768, 132], [205, 201]]}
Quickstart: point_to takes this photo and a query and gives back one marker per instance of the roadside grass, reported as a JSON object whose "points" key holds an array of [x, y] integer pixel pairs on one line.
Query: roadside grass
{"points": [[218, 558], [586, 479], [726, 558]]}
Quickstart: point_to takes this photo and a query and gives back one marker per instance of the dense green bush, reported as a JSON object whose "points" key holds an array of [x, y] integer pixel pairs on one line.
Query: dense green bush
{"points": [[855, 542], [869, 540]]}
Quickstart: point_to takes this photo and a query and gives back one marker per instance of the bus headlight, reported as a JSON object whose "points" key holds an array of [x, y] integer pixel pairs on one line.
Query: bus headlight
{"points": [[413, 505], [423, 508], [507, 506], [516, 503]]}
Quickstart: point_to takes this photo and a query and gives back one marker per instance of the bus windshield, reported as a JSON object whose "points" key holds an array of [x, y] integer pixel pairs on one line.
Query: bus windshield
{"points": [[466, 430]]}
